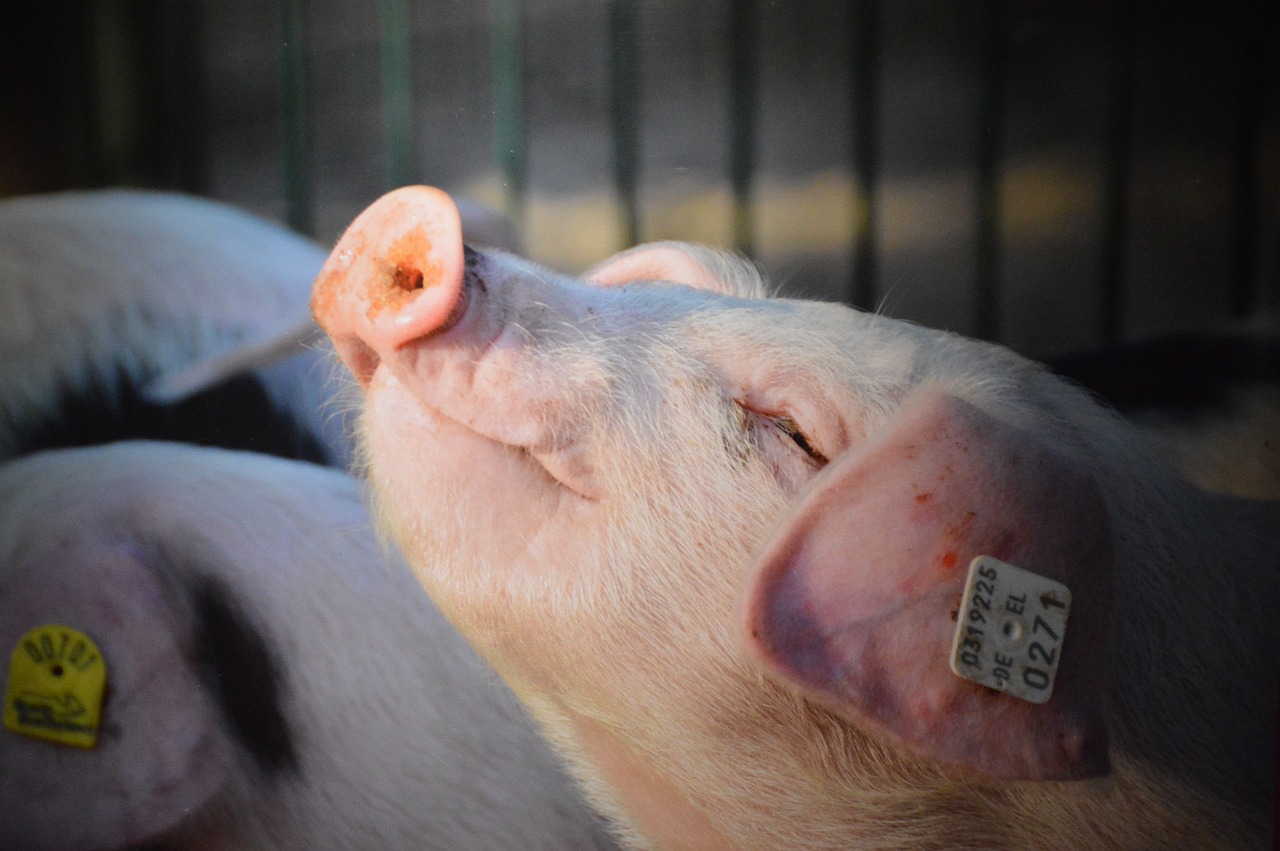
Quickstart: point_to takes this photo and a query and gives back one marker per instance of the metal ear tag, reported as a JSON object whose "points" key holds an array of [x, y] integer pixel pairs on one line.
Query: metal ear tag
{"points": [[1010, 628]]}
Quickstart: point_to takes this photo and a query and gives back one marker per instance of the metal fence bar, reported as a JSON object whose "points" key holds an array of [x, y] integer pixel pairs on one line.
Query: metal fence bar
{"points": [[1255, 20], [508, 99], [866, 157], [624, 108], [987, 157], [296, 151], [185, 99], [744, 37], [1115, 211], [397, 93]]}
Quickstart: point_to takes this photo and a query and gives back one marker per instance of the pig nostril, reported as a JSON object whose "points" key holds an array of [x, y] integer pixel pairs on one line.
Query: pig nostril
{"points": [[406, 279]]}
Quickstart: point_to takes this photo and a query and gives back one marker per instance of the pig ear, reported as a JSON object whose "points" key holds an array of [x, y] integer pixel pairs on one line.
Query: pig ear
{"points": [[670, 262], [161, 750], [180, 384], [855, 602]]}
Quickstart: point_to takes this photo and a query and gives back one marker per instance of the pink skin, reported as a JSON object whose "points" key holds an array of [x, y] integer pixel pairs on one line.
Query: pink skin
{"points": [[407, 248], [598, 482]]}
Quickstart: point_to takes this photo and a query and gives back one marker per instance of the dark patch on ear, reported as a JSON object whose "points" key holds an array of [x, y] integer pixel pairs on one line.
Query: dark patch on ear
{"points": [[237, 667], [235, 414]]}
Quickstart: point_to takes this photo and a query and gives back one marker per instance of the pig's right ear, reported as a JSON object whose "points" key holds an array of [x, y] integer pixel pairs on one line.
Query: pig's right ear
{"points": [[857, 599], [669, 262], [162, 748]]}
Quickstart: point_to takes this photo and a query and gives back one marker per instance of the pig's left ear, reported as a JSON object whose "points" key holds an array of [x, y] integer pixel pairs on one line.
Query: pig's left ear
{"points": [[671, 262], [856, 600]]}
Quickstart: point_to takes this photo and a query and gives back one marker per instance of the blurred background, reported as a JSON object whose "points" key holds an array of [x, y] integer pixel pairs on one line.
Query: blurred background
{"points": [[1050, 175]]}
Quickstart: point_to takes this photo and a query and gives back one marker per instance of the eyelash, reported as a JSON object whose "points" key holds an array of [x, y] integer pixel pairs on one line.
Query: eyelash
{"points": [[788, 426]]}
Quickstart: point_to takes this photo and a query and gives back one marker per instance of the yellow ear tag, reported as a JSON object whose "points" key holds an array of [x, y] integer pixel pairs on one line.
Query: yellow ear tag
{"points": [[57, 679]]}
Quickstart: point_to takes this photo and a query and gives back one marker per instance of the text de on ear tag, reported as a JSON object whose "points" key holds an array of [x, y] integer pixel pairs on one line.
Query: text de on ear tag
{"points": [[56, 682], [1010, 628]]}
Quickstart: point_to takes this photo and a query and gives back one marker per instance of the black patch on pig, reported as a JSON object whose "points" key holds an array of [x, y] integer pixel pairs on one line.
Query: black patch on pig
{"points": [[1183, 374], [236, 665], [235, 414]]}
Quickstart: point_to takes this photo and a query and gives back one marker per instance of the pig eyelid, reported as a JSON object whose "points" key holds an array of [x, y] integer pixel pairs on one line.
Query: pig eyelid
{"points": [[787, 425]]}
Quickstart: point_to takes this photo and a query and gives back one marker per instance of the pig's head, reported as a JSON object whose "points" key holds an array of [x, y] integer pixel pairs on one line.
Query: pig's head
{"points": [[717, 541]]}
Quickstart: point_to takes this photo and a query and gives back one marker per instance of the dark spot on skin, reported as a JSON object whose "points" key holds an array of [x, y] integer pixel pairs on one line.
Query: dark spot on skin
{"points": [[236, 665], [922, 498], [955, 615], [949, 559]]}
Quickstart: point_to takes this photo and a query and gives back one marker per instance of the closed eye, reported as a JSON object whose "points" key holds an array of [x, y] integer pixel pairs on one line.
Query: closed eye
{"points": [[788, 427], [769, 429]]}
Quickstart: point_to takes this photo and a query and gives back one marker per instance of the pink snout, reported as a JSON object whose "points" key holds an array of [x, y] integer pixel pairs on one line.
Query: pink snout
{"points": [[395, 276]]}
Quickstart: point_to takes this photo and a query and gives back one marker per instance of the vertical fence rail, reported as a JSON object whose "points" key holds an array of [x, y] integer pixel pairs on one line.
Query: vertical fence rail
{"points": [[744, 38], [184, 100], [397, 93], [864, 88], [1115, 209], [508, 99], [987, 156], [623, 58], [296, 149], [743, 55], [1255, 23]]}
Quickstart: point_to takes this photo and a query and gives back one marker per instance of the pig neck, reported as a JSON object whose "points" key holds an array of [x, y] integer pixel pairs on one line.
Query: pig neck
{"points": [[658, 811]]}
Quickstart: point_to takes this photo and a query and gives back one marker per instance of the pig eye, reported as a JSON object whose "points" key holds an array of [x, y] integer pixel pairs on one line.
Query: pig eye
{"points": [[774, 432], [788, 426]]}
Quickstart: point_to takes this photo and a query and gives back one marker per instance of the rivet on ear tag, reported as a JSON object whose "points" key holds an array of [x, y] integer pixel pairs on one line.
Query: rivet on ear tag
{"points": [[1010, 629], [57, 679]]}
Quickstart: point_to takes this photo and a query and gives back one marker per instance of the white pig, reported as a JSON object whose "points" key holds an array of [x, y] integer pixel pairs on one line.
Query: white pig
{"points": [[273, 680], [717, 543]]}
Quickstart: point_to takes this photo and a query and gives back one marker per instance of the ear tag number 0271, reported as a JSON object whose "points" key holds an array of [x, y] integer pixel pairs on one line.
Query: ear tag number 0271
{"points": [[56, 683], [1010, 628]]}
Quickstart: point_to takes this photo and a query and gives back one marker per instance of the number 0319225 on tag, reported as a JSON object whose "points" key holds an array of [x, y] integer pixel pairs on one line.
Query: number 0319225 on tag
{"points": [[1009, 629]]}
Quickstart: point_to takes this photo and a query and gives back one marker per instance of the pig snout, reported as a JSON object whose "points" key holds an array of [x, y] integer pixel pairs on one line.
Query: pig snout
{"points": [[395, 276]]}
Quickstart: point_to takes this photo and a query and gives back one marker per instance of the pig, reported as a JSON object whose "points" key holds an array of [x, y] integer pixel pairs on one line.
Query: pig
{"points": [[273, 679], [130, 314], [717, 542]]}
